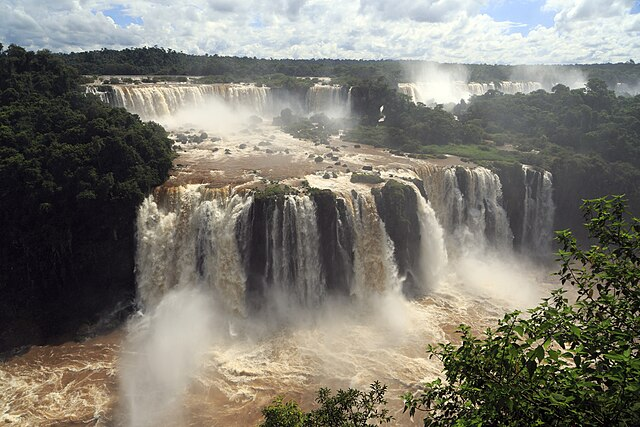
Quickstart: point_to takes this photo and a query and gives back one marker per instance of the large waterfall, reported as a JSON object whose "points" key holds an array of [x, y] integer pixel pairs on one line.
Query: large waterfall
{"points": [[163, 100], [254, 252], [538, 211], [331, 99], [158, 101], [468, 204]]}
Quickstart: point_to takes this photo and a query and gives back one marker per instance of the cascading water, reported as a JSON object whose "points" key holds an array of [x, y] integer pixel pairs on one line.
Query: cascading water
{"points": [[431, 93], [163, 100], [468, 204], [293, 266], [538, 211], [186, 238], [330, 99], [252, 251], [374, 265], [434, 254]]}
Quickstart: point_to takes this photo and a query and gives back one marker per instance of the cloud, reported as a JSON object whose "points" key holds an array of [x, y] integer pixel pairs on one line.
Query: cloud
{"points": [[421, 11], [583, 10], [437, 30]]}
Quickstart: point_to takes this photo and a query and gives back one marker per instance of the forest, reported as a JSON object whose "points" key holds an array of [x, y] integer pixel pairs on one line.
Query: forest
{"points": [[72, 174], [159, 61]]}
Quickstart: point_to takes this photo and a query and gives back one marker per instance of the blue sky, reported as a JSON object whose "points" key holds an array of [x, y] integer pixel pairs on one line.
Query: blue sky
{"points": [[120, 16], [526, 12], [472, 31]]}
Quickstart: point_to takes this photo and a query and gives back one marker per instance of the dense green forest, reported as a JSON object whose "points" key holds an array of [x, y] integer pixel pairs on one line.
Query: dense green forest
{"points": [[159, 61], [72, 173]]}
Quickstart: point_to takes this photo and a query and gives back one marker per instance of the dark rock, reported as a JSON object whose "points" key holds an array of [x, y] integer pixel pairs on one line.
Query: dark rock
{"points": [[397, 207]]}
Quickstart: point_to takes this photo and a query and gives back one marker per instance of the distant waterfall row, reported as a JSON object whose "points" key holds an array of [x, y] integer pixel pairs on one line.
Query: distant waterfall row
{"points": [[257, 252], [446, 92], [153, 101]]}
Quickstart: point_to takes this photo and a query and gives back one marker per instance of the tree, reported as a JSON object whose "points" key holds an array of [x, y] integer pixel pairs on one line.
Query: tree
{"points": [[573, 360], [353, 408]]}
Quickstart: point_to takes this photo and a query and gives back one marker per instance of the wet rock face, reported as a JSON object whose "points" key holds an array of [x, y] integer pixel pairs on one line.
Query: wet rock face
{"points": [[513, 193], [336, 241], [254, 243], [90, 290], [397, 206]]}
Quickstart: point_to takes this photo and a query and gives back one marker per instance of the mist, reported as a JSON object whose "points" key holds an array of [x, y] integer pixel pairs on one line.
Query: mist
{"points": [[162, 353], [439, 83], [550, 75]]}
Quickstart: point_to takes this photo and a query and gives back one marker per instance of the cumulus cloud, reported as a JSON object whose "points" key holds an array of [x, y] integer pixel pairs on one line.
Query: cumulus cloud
{"points": [[437, 30], [421, 11], [582, 10]]}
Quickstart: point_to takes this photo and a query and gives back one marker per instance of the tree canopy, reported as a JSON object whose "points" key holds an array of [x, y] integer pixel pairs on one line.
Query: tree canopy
{"points": [[72, 173], [572, 360]]}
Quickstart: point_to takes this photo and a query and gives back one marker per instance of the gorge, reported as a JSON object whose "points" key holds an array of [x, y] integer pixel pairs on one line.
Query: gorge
{"points": [[261, 269]]}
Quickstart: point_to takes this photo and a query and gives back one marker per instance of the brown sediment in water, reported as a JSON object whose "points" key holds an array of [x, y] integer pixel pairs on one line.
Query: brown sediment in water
{"points": [[77, 383], [267, 153]]}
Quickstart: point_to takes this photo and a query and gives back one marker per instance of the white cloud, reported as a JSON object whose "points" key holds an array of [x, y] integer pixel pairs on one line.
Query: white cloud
{"points": [[422, 10], [438, 30], [583, 10]]}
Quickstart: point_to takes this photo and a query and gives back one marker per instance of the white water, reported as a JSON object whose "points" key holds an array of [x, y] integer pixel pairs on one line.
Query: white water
{"points": [[434, 254], [294, 258], [471, 211], [435, 92], [374, 264], [188, 241], [195, 356], [539, 210], [172, 103], [335, 101], [158, 101]]}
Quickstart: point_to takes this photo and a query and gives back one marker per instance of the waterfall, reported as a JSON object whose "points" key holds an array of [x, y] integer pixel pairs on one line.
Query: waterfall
{"points": [[291, 250], [95, 90], [512, 88], [538, 211], [453, 91], [332, 100], [293, 258], [185, 237], [154, 101], [432, 244], [468, 204], [374, 265]]}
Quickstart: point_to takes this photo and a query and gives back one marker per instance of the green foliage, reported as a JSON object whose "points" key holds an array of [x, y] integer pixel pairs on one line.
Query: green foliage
{"points": [[274, 190], [317, 128], [590, 121], [72, 174], [283, 414], [572, 360], [366, 178], [160, 61], [347, 408]]}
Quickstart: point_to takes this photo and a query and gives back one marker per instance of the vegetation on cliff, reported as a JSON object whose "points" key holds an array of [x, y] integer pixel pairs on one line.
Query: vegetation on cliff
{"points": [[72, 173]]}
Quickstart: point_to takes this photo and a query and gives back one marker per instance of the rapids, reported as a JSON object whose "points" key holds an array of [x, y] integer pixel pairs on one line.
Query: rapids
{"points": [[243, 296]]}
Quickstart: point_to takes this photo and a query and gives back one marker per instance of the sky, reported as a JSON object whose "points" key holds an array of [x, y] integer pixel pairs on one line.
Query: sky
{"points": [[459, 31]]}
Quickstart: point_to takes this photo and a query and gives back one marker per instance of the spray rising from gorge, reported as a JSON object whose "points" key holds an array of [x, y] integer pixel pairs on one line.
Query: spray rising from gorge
{"points": [[297, 261], [260, 271]]}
